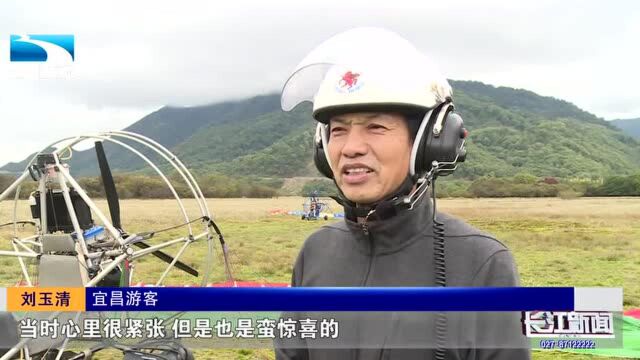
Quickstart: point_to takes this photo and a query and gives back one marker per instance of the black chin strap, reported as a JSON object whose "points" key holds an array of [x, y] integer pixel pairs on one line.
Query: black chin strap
{"points": [[382, 210]]}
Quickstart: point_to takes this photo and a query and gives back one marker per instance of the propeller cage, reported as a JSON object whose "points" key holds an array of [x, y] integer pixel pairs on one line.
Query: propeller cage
{"points": [[61, 206]]}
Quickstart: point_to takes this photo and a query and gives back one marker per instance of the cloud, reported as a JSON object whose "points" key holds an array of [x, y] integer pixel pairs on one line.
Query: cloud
{"points": [[135, 56]]}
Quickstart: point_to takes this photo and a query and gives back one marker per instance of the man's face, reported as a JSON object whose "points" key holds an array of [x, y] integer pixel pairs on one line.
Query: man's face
{"points": [[369, 153]]}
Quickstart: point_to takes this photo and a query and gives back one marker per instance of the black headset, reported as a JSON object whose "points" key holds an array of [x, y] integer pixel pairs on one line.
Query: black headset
{"points": [[441, 137]]}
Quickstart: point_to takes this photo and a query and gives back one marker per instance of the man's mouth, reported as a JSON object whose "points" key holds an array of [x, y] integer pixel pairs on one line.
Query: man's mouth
{"points": [[356, 174], [357, 171]]}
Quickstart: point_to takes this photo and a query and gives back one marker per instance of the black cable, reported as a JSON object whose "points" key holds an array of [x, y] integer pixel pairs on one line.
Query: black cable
{"points": [[150, 234], [24, 222], [225, 251], [440, 276], [215, 227]]}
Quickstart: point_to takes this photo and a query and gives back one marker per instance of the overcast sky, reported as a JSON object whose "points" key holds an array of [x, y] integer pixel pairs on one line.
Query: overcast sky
{"points": [[132, 57]]}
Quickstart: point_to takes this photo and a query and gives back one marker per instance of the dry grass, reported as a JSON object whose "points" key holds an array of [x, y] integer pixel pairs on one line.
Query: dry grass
{"points": [[556, 242], [594, 211]]}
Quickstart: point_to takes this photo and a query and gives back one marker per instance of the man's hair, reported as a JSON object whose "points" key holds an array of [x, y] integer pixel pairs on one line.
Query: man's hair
{"points": [[413, 122]]}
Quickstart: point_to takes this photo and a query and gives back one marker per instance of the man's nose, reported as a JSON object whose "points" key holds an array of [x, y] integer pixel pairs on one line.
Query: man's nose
{"points": [[355, 144]]}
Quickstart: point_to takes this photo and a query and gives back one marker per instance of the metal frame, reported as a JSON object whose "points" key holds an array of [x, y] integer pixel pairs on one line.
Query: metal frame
{"points": [[122, 248]]}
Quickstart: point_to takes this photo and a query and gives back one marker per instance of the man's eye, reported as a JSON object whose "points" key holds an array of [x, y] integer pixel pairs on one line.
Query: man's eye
{"points": [[337, 130], [377, 127]]}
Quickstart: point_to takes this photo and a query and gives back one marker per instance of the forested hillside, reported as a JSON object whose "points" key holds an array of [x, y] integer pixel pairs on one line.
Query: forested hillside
{"points": [[511, 131]]}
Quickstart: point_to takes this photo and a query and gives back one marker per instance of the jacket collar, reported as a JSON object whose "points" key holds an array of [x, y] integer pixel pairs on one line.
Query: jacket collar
{"points": [[384, 209], [394, 232]]}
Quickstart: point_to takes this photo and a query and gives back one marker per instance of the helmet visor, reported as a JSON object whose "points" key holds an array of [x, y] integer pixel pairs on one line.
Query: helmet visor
{"points": [[303, 85]]}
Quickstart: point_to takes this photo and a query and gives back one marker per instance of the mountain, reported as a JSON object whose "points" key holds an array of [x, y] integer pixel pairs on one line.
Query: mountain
{"points": [[524, 100], [630, 127], [170, 126], [511, 131]]}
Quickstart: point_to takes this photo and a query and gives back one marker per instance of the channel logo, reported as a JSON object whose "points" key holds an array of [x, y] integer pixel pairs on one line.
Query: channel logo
{"points": [[58, 49]]}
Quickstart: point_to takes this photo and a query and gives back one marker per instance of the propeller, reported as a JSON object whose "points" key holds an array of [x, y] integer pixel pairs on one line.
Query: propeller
{"points": [[109, 186], [114, 209]]}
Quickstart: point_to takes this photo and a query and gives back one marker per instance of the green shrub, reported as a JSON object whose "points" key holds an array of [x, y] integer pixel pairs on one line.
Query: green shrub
{"points": [[324, 187], [505, 187], [616, 186]]}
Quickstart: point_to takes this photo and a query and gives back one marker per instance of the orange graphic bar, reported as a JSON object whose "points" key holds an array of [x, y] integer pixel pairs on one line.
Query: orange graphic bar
{"points": [[45, 299]]}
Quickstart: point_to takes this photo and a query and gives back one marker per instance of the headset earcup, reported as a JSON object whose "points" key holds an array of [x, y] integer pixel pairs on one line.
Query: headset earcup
{"points": [[319, 156], [447, 147]]}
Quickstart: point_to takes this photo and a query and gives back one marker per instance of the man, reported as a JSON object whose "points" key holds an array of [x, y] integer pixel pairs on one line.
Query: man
{"points": [[378, 141]]}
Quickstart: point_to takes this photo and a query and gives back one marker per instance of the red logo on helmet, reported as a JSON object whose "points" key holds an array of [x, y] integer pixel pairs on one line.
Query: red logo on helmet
{"points": [[349, 80]]}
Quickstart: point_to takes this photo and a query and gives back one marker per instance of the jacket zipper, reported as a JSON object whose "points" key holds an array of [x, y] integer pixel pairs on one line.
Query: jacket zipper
{"points": [[365, 230]]}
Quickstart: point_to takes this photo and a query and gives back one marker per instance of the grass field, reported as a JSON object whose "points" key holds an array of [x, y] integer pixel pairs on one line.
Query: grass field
{"points": [[578, 242]]}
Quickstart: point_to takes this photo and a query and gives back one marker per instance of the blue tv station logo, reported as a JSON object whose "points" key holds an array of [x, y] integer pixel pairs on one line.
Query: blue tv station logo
{"points": [[59, 49]]}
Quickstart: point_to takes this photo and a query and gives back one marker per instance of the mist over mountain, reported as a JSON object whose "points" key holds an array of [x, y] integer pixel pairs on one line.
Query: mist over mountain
{"points": [[630, 127], [511, 131]]}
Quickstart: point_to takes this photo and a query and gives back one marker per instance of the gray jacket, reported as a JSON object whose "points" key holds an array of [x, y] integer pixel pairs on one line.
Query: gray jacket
{"points": [[398, 251]]}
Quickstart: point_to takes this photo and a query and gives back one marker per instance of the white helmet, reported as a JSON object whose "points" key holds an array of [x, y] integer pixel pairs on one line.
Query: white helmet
{"points": [[371, 69], [365, 69]]}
